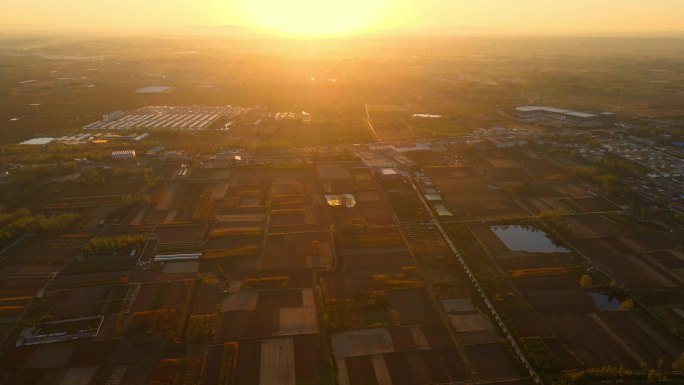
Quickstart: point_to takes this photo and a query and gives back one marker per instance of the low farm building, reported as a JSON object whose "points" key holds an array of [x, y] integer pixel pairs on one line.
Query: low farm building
{"points": [[533, 113], [123, 154]]}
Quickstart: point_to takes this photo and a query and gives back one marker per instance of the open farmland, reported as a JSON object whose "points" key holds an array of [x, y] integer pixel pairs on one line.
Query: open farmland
{"points": [[379, 210], [472, 196]]}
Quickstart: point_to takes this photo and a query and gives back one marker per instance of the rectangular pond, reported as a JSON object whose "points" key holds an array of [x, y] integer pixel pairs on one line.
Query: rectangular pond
{"points": [[526, 238]]}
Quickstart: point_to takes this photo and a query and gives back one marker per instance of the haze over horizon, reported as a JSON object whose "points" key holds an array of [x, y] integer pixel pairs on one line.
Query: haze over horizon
{"points": [[317, 18]]}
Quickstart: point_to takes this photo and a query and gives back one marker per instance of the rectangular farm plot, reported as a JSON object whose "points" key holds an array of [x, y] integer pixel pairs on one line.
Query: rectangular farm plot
{"points": [[633, 270], [181, 268], [300, 250], [425, 367], [596, 226], [291, 360], [470, 322], [413, 307], [78, 376], [247, 325], [298, 320], [247, 364], [590, 341], [180, 233], [379, 256], [471, 195], [49, 356], [362, 343], [554, 293], [357, 371], [277, 362], [592, 204], [245, 218], [242, 300], [491, 361]]}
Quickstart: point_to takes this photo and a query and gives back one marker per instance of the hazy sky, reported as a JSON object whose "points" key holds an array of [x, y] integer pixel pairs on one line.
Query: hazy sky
{"points": [[313, 16]]}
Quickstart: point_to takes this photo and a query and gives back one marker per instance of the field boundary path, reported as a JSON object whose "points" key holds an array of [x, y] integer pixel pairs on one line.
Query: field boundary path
{"points": [[369, 124], [473, 280], [439, 308]]}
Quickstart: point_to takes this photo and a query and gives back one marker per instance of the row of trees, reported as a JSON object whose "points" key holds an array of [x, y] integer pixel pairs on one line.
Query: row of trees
{"points": [[28, 176], [116, 244], [17, 223]]}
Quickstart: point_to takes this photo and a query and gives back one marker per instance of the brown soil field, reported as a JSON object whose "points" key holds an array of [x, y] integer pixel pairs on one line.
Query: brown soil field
{"points": [[413, 307], [70, 281], [538, 166], [654, 241], [332, 171], [402, 338], [566, 359], [517, 261], [275, 299], [206, 298], [392, 128], [300, 244], [309, 362], [344, 285], [43, 255], [80, 303], [92, 353], [592, 247], [617, 246], [648, 338], [587, 205], [183, 233], [164, 295], [668, 260], [246, 325], [491, 361], [573, 189], [554, 293], [634, 270], [286, 261], [470, 194], [360, 371], [16, 358], [422, 367], [538, 205], [487, 237], [381, 269], [213, 363], [49, 356], [297, 278], [228, 242], [248, 363], [437, 336], [20, 286], [592, 344], [375, 213], [294, 219], [369, 257], [527, 323], [508, 175]]}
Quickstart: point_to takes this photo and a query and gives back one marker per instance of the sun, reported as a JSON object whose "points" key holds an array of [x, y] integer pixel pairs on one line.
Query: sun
{"points": [[314, 17]]}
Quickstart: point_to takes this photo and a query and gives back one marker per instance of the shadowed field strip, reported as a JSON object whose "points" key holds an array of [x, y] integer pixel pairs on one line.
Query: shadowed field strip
{"points": [[277, 362], [342, 374], [381, 372], [419, 338], [616, 338]]}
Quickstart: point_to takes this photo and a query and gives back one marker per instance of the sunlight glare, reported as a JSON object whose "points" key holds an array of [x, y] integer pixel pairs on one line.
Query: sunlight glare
{"points": [[314, 17]]}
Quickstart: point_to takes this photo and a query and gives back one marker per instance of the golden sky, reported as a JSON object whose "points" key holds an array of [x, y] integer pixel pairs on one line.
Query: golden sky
{"points": [[330, 17]]}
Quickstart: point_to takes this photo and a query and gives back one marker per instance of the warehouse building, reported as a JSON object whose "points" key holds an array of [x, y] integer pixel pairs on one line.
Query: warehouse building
{"points": [[123, 154], [536, 113]]}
